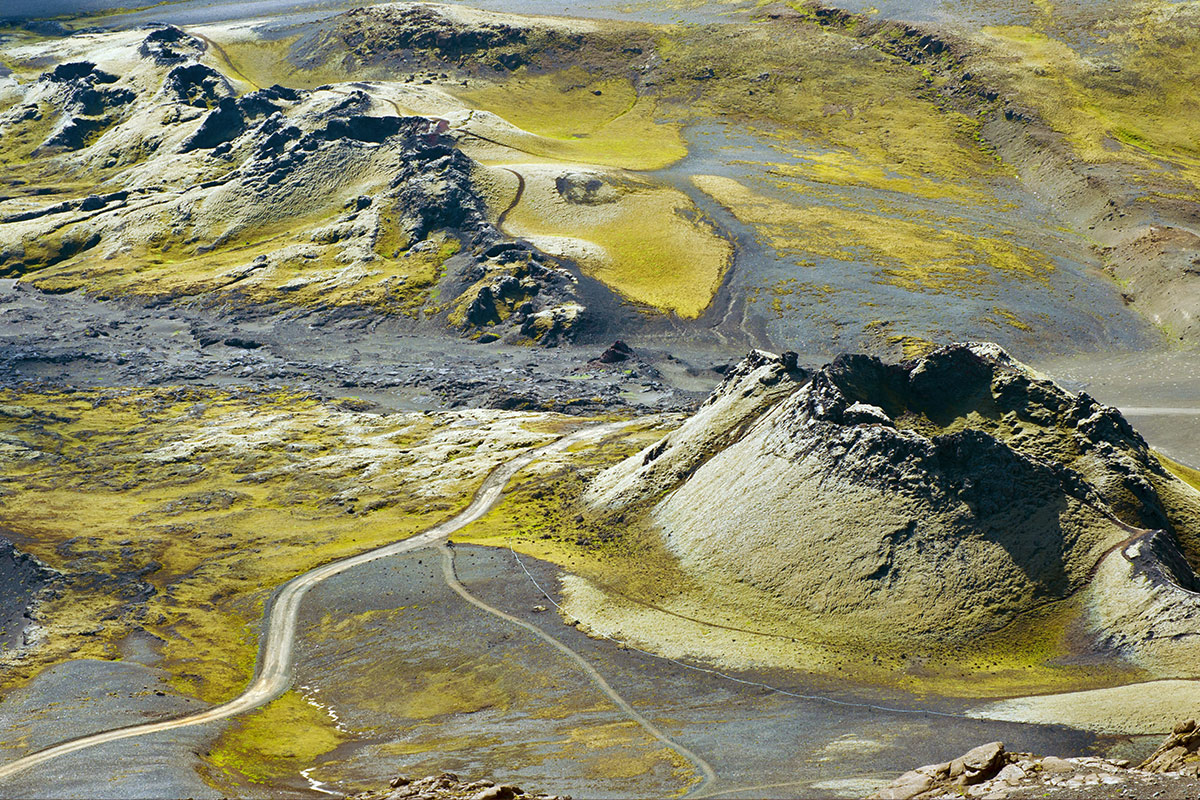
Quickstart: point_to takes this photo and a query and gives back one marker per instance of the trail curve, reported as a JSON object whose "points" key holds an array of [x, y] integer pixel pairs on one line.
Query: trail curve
{"points": [[500, 220], [706, 772], [274, 675]]}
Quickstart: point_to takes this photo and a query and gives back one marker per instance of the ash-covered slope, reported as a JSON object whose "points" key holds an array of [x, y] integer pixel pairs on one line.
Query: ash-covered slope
{"points": [[938, 498], [143, 173]]}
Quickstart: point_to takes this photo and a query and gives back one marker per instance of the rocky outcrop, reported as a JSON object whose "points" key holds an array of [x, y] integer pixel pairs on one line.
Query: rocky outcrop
{"points": [[24, 582], [86, 100], [197, 85], [405, 34], [989, 771], [449, 786], [169, 45], [1180, 752], [747, 391], [616, 353], [962, 484]]}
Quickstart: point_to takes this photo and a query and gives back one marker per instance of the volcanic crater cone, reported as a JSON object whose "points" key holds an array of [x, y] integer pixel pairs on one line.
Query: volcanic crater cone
{"points": [[931, 500]]}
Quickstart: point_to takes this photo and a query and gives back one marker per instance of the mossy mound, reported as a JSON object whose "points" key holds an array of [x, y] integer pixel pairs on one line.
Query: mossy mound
{"points": [[932, 501]]}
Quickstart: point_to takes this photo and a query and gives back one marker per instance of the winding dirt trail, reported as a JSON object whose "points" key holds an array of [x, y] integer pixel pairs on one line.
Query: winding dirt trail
{"points": [[516, 198], [274, 676], [707, 775]]}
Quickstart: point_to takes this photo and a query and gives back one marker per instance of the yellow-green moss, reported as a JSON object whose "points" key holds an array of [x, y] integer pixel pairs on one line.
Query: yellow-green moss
{"points": [[913, 254], [277, 741], [400, 280], [856, 116], [1188, 475], [640, 588], [650, 244], [581, 117], [1134, 107]]}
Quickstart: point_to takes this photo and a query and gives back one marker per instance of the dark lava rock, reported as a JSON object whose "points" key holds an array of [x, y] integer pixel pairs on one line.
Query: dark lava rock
{"points": [[364, 129], [170, 45], [482, 310], [417, 28], [509, 401], [22, 579], [617, 352], [83, 94], [223, 124], [230, 119], [198, 85]]}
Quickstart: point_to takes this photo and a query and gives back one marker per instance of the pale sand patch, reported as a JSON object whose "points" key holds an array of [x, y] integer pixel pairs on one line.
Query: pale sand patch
{"points": [[675, 632], [1138, 709], [852, 787], [472, 17]]}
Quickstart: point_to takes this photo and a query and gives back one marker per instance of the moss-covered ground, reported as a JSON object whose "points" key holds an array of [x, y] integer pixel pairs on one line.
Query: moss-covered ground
{"points": [[1114, 85], [910, 253], [1188, 475], [254, 750], [862, 161], [177, 511]]}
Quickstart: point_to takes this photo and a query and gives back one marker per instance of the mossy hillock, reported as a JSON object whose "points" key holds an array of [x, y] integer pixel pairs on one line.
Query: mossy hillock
{"points": [[932, 501]]}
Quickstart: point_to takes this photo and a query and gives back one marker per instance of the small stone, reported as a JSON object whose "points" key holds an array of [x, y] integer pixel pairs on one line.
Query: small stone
{"points": [[1056, 764], [1011, 775], [1186, 726]]}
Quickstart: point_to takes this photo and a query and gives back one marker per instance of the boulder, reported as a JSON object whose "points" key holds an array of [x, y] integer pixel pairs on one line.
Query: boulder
{"points": [[1180, 752], [617, 352], [978, 764]]}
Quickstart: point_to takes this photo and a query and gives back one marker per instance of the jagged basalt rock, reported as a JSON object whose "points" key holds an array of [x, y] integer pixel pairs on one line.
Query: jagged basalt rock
{"points": [[616, 353], [24, 582], [385, 191], [197, 85], [223, 124], [170, 45], [86, 100]]}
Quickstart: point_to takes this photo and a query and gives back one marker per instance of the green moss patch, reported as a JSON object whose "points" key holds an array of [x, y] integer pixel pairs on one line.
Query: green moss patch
{"points": [[273, 743]]}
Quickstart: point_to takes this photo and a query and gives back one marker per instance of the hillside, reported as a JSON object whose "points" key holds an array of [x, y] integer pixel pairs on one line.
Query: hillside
{"points": [[929, 501]]}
